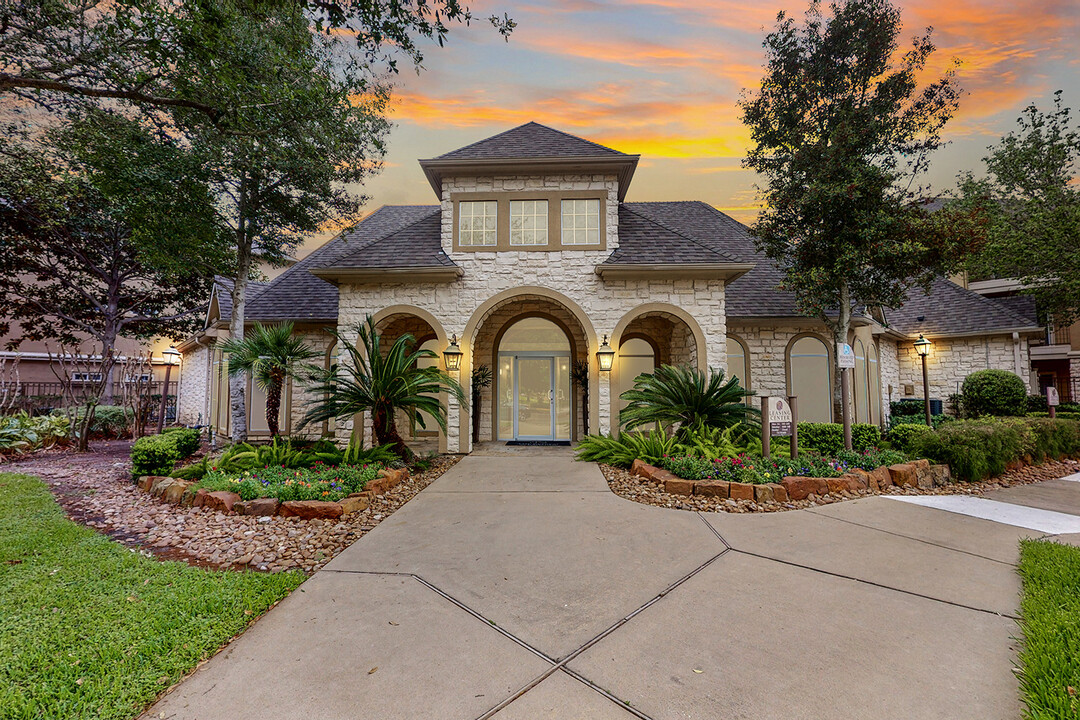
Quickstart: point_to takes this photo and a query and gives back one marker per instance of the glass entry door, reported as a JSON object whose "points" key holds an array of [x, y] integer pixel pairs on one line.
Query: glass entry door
{"points": [[534, 396]]}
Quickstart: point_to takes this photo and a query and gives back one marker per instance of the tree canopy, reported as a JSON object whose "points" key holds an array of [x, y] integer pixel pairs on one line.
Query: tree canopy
{"points": [[1031, 187], [841, 131]]}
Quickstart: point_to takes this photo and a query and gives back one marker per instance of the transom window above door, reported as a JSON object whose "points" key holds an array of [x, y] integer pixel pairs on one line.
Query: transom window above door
{"points": [[528, 222], [478, 223]]}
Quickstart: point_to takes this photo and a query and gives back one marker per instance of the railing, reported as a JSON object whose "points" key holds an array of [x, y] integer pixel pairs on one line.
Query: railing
{"points": [[42, 397], [1068, 388], [1057, 335]]}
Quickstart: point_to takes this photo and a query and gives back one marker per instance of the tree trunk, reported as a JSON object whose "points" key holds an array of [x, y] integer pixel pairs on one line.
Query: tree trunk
{"points": [[840, 335], [273, 405], [386, 432], [238, 382]]}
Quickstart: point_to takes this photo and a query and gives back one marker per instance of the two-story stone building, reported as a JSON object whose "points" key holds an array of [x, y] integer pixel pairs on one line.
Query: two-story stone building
{"points": [[532, 257]]}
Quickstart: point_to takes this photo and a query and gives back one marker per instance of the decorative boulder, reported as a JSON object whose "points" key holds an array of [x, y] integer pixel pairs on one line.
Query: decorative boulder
{"points": [[741, 491], [353, 504], [311, 509], [677, 486], [712, 488], [800, 488], [259, 506], [903, 475], [174, 493], [221, 500]]}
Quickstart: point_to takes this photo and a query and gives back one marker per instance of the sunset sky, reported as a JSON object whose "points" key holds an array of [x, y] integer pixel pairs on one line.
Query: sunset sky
{"points": [[662, 78]]}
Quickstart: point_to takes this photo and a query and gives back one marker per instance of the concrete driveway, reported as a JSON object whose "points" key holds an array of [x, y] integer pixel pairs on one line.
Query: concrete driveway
{"points": [[520, 587]]}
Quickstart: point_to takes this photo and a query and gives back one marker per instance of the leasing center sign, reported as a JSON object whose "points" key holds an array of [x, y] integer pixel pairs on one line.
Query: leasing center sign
{"points": [[780, 420]]}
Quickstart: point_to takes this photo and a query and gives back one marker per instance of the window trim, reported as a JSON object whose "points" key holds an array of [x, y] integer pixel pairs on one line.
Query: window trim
{"points": [[600, 225], [547, 229], [457, 222], [554, 200]]}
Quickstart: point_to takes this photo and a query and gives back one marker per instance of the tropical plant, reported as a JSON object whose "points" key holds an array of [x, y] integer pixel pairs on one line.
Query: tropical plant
{"points": [[273, 355], [579, 377], [622, 451], [383, 383], [21, 433], [683, 394], [711, 443]]}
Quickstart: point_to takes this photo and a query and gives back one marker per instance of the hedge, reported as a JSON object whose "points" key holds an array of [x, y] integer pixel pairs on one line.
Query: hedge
{"points": [[902, 436], [977, 449], [158, 454], [828, 438], [993, 392], [1061, 414]]}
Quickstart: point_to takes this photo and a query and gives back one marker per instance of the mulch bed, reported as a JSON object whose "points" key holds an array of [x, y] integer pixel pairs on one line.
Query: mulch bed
{"points": [[95, 489], [638, 489]]}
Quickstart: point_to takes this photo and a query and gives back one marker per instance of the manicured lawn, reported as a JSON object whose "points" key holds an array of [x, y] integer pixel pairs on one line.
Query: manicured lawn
{"points": [[1050, 610], [90, 629]]}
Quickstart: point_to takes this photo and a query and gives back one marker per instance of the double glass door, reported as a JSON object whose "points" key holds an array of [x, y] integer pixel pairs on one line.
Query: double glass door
{"points": [[534, 396]]}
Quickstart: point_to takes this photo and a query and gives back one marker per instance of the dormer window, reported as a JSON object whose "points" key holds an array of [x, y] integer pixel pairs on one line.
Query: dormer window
{"points": [[528, 222], [477, 223], [581, 222]]}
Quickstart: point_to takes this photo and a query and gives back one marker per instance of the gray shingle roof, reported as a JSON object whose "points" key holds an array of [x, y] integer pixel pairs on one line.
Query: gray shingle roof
{"points": [[296, 294], [223, 287], [951, 310], [416, 245], [646, 240], [531, 140]]}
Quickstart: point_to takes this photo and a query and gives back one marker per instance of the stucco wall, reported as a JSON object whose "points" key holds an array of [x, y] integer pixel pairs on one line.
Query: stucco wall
{"points": [[953, 359]]}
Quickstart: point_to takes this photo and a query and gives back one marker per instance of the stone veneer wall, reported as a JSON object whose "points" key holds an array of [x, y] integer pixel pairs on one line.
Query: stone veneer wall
{"points": [[194, 387], [890, 375], [953, 359], [298, 402], [569, 274]]}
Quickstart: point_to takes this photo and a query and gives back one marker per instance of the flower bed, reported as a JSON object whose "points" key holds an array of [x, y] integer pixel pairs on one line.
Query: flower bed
{"points": [[320, 482], [756, 470]]}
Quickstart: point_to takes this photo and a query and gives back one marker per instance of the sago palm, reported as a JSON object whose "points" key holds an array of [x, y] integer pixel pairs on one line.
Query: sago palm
{"points": [[383, 384], [685, 395], [272, 354]]}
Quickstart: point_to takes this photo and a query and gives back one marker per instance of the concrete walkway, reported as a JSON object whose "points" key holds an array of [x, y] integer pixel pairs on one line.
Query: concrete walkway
{"points": [[519, 587]]}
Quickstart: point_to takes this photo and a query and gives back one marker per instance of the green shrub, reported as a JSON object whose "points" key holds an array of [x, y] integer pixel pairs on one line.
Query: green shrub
{"points": [[629, 446], [1060, 414], [153, 455], [751, 468], [711, 442], [865, 436], [21, 433], [906, 407], [1054, 439], [920, 419], [902, 436], [318, 483], [993, 392], [869, 459], [195, 471], [187, 440], [109, 421], [973, 449], [826, 438]]}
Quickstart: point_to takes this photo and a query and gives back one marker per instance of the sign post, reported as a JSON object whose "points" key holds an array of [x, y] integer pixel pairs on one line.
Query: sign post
{"points": [[776, 421], [793, 403], [1052, 401], [845, 360]]}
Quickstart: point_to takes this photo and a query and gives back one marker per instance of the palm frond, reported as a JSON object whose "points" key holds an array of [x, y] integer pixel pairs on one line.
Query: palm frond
{"points": [[684, 395]]}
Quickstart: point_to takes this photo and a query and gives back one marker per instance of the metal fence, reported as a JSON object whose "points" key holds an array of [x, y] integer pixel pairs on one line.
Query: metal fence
{"points": [[39, 398]]}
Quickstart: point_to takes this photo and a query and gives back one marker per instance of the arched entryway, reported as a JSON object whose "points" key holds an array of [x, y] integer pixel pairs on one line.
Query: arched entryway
{"points": [[530, 342]]}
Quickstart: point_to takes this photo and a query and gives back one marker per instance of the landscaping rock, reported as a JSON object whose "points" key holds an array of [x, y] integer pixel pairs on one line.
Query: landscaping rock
{"points": [[880, 478], [740, 491], [941, 475], [763, 493], [678, 486], [353, 504], [903, 475], [174, 492], [862, 476], [799, 488], [920, 463], [850, 483], [258, 506], [200, 498], [924, 477], [146, 481], [640, 468], [712, 488], [779, 492], [310, 509], [158, 485], [222, 500]]}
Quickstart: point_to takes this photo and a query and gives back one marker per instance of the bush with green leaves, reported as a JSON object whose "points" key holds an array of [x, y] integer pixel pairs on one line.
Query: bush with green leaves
{"points": [[920, 419], [685, 396], [623, 450], [973, 449], [828, 438], [993, 392], [751, 468], [320, 482], [906, 407], [300, 454], [109, 421], [902, 436], [869, 459], [1062, 414], [158, 454], [22, 433]]}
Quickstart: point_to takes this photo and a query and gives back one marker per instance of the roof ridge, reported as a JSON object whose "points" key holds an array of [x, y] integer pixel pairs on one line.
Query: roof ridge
{"points": [[681, 234], [525, 125]]}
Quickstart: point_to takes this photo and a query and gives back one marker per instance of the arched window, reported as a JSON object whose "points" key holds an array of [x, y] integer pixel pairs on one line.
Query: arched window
{"points": [[875, 383], [862, 384], [738, 361], [811, 378]]}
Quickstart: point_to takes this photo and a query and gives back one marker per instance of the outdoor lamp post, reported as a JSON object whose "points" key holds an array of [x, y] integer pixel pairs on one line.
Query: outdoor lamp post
{"points": [[922, 346], [605, 356], [170, 356], [452, 355]]}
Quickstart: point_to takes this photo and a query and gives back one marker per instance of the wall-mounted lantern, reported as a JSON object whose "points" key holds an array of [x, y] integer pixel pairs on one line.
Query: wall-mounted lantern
{"points": [[452, 355], [605, 356]]}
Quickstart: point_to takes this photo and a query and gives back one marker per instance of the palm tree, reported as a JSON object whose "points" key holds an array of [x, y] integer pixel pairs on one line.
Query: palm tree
{"points": [[383, 384], [683, 394], [272, 354]]}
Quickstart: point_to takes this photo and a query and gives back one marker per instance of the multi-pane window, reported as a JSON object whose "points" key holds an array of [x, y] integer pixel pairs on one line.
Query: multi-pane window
{"points": [[477, 223], [580, 222], [528, 222]]}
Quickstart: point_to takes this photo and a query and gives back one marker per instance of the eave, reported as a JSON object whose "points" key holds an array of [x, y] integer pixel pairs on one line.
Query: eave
{"points": [[378, 276], [622, 166], [673, 271]]}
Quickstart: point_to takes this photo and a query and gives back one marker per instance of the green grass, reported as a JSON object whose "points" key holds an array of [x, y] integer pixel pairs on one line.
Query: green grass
{"points": [[1050, 619], [90, 629]]}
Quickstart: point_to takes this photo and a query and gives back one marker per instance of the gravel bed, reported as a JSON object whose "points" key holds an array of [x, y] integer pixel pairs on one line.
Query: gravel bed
{"points": [[638, 489], [96, 489]]}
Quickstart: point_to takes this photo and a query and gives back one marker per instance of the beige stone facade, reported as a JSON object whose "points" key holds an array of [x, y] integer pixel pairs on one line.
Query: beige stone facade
{"points": [[953, 359]]}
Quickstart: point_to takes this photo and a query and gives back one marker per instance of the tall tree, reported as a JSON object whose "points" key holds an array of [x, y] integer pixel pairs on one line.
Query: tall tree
{"points": [[98, 238], [1031, 186], [841, 131]]}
